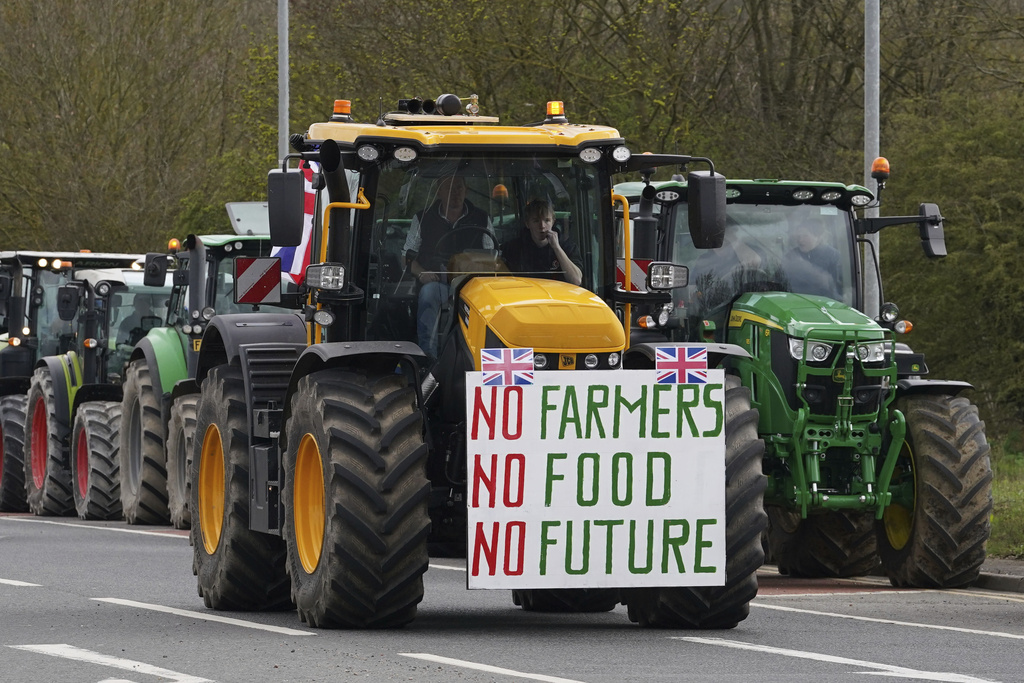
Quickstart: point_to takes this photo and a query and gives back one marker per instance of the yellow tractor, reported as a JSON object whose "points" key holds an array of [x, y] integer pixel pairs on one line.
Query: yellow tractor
{"points": [[461, 381]]}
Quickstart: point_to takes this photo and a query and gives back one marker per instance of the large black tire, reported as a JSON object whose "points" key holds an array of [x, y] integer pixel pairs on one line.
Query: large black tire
{"points": [[934, 535], [47, 476], [355, 499], [143, 462], [95, 442], [832, 544], [566, 599], [12, 454], [236, 568], [181, 429], [721, 606]]}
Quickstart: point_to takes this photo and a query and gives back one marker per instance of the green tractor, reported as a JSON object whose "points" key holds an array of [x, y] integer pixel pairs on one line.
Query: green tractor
{"points": [[74, 398], [159, 399], [30, 329], [868, 463]]}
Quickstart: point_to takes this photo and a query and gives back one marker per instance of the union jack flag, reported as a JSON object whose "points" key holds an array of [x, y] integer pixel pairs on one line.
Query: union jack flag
{"points": [[295, 259], [682, 365], [507, 366]]}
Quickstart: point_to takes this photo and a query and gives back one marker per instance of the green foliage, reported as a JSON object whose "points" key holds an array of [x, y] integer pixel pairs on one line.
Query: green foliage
{"points": [[968, 309]]}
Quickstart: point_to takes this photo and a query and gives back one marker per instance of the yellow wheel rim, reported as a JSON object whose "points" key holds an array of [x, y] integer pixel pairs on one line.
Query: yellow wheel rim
{"points": [[898, 519], [308, 503], [211, 489]]}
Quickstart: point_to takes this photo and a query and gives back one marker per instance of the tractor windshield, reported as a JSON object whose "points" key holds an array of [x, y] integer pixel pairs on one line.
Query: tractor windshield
{"points": [[129, 315], [768, 247], [457, 216], [56, 336]]}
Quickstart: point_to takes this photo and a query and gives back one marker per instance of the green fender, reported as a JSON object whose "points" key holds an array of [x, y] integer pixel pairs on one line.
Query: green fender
{"points": [[164, 351], [66, 372]]}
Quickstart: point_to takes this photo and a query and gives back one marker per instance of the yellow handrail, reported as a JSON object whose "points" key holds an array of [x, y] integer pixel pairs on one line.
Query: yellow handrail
{"points": [[361, 203], [627, 261]]}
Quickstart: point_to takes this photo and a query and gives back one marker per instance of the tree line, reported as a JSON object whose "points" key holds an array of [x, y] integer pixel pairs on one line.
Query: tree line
{"points": [[124, 124]]}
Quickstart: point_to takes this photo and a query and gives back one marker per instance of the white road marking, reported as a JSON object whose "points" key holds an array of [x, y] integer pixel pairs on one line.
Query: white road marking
{"points": [[12, 582], [937, 627], [447, 566], [883, 669], [206, 616], [78, 654], [485, 667], [162, 534]]}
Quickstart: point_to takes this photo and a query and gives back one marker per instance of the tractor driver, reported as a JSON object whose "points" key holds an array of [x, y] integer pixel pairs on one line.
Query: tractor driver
{"points": [[812, 265], [131, 328], [429, 247]]}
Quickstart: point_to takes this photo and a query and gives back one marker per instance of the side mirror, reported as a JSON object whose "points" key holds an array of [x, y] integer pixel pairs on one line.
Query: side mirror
{"points": [[933, 237], [155, 273], [68, 298], [706, 199], [285, 203]]}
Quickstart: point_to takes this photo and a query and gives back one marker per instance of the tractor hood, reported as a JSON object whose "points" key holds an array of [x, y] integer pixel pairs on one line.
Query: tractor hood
{"points": [[802, 315], [546, 315]]}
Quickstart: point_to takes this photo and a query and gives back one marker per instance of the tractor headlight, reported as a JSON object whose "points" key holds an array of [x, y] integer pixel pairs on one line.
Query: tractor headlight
{"points": [[889, 313], [208, 313], [816, 351], [323, 318], [662, 276], [103, 288], [590, 155], [326, 276], [613, 360], [590, 360], [540, 361], [872, 352], [803, 195]]}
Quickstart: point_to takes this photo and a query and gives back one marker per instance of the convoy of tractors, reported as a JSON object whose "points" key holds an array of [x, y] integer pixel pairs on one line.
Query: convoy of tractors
{"points": [[509, 343]]}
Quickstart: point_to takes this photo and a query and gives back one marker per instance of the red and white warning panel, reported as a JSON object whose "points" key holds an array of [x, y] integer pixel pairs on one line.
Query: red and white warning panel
{"points": [[257, 280], [637, 274]]}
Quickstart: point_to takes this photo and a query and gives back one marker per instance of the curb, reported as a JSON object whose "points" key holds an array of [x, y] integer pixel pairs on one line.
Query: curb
{"points": [[1000, 582]]}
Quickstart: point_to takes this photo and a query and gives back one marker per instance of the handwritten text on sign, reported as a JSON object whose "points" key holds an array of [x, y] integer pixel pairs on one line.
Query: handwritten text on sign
{"points": [[594, 479]]}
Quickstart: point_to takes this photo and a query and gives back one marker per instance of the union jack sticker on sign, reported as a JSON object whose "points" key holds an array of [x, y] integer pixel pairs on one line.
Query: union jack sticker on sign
{"points": [[682, 365], [257, 280], [506, 366]]}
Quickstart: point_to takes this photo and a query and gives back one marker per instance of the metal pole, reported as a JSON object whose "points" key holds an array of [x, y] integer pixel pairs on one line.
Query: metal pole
{"points": [[872, 295], [282, 79]]}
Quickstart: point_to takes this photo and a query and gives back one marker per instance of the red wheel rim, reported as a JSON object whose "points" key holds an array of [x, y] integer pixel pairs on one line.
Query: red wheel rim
{"points": [[82, 464], [39, 437]]}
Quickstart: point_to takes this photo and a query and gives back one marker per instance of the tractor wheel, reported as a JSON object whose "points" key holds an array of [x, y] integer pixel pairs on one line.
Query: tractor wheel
{"points": [[143, 462], [829, 545], [721, 606], [94, 460], [355, 499], [567, 599], [180, 430], [12, 454], [237, 568], [933, 534], [47, 477]]}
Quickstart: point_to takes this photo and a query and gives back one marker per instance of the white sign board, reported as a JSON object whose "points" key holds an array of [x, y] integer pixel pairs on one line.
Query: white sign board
{"points": [[599, 478]]}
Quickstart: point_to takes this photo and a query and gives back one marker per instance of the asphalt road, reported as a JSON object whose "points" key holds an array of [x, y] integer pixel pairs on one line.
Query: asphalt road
{"points": [[90, 602]]}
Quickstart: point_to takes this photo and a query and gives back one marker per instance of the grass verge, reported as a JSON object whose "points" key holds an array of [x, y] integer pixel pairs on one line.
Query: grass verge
{"points": [[1007, 538]]}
